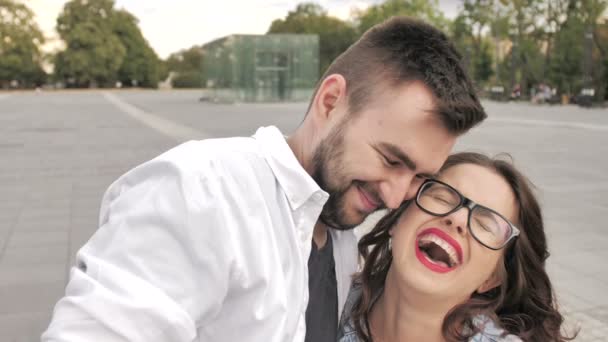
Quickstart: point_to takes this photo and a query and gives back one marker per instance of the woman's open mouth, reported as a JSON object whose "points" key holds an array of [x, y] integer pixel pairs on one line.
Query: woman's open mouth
{"points": [[438, 251]]}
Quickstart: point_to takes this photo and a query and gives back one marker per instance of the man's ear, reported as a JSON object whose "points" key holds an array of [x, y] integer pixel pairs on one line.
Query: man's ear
{"points": [[331, 94], [493, 281]]}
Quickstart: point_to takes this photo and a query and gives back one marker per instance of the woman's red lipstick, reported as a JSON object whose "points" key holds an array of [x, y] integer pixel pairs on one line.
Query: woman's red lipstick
{"points": [[447, 238]]}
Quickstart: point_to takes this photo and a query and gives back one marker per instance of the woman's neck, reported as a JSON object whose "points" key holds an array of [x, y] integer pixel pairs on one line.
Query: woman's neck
{"points": [[399, 316]]}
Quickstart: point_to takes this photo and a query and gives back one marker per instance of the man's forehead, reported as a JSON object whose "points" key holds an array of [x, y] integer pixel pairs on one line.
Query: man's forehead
{"points": [[430, 152], [415, 129], [431, 164]]}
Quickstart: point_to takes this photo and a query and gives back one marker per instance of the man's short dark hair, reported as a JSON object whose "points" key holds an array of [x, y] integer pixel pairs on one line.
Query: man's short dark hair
{"points": [[403, 50]]}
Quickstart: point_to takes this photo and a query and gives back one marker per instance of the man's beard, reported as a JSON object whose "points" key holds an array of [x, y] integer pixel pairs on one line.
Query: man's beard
{"points": [[329, 174]]}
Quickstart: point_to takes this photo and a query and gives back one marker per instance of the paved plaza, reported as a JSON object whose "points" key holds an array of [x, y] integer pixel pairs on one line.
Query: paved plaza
{"points": [[60, 150]]}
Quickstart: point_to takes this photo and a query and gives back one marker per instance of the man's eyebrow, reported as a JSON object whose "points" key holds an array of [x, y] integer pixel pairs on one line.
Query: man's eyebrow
{"points": [[399, 154], [404, 158]]}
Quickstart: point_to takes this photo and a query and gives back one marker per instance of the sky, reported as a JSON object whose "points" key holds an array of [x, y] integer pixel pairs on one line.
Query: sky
{"points": [[170, 26]]}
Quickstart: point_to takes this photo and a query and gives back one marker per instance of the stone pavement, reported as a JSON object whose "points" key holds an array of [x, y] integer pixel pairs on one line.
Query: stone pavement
{"points": [[60, 150]]}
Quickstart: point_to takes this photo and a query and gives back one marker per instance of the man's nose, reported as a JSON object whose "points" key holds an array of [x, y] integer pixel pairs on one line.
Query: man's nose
{"points": [[397, 190], [415, 184]]}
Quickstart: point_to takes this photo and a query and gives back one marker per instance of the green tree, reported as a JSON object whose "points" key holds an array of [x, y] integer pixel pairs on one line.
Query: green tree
{"points": [[422, 9], [185, 60], [141, 66], [469, 32], [186, 64], [597, 57], [163, 70], [335, 35], [524, 28], [93, 53], [554, 13], [578, 51], [567, 53], [20, 38], [188, 79], [482, 64], [601, 39]]}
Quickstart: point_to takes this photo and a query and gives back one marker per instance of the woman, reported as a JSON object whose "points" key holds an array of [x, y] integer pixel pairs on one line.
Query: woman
{"points": [[463, 261]]}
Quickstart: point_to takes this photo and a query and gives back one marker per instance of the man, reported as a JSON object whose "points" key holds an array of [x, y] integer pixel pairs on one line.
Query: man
{"points": [[210, 241], [407, 99]]}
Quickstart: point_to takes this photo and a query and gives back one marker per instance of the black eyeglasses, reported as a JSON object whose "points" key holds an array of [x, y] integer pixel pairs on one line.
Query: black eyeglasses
{"points": [[487, 226]]}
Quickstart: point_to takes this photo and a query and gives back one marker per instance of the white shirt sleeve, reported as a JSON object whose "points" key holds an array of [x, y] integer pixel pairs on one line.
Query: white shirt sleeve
{"points": [[159, 265]]}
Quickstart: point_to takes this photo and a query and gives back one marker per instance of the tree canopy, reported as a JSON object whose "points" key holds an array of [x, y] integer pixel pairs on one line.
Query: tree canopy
{"points": [[427, 10], [103, 46], [186, 64], [335, 35], [141, 66], [563, 43], [20, 40]]}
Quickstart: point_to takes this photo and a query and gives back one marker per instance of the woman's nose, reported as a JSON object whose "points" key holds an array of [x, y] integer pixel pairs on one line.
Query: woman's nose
{"points": [[458, 220]]}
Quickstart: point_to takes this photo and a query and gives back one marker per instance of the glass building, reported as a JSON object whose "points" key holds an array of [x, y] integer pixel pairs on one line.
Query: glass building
{"points": [[261, 68]]}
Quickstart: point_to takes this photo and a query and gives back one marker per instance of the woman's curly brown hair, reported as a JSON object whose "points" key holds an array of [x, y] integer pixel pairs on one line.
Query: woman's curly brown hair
{"points": [[524, 305]]}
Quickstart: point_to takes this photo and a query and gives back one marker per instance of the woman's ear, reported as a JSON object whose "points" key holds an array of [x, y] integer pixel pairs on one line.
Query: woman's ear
{"points": [[492, 282]]}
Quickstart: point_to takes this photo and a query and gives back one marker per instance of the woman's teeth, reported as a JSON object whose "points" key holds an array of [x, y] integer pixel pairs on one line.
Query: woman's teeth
{"points": [[426, 240]]}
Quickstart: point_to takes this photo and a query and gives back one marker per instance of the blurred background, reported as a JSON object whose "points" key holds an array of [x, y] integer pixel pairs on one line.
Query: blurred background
{"points": [[541, 50], [91, 88]]}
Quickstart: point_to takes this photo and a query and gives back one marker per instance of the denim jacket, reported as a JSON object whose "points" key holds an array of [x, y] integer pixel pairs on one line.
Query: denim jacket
{"points": [[490, 331]]}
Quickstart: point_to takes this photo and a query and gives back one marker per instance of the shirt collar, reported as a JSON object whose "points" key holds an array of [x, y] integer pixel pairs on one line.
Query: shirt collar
{"points": [[297, 184]]}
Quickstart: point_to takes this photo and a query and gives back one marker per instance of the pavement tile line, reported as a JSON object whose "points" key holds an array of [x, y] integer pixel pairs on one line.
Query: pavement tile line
{"points": [[551, 123], [166, 127]]}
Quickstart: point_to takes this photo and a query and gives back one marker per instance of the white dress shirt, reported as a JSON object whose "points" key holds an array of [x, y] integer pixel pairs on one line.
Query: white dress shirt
{"points": [[207, 242]]}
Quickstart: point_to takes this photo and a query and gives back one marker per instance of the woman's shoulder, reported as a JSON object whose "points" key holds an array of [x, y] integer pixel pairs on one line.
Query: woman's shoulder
{"points": [[491, 331]]}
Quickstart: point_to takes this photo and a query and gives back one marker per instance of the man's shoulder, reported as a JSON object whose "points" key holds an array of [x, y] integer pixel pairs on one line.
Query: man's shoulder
{"points": [[222, 157], [209, 150], [216, 161]]}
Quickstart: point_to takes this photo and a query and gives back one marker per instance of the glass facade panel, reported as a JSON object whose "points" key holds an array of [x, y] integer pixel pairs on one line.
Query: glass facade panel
{"points": [[262, 68]]}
